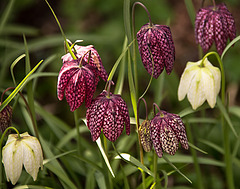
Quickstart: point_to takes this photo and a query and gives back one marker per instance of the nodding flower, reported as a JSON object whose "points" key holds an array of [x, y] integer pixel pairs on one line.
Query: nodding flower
{"points": [[214, 24]]}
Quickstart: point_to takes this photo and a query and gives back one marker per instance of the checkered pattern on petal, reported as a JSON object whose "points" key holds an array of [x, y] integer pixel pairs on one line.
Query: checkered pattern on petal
{"points": [[145, 135], [113, 122], [214, 25], [155, 126], [168, 138], [107, 113], [76, 90], [5, 118], [123, 111], [66, 72], [158, 40], [167, 130], [95, 114]]}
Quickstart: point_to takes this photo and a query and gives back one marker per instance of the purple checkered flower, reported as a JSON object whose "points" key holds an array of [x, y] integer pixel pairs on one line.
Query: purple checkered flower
{"points": [[95, 60], [214, 24], [108, 113], [5, 118], [77, 80], [156, 48], [167, 130]]}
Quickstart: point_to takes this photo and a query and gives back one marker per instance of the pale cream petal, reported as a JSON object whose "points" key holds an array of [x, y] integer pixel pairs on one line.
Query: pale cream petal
{"points": [[33, 156], [208, 85], [186, 79], [196, 94], [12, 157]]}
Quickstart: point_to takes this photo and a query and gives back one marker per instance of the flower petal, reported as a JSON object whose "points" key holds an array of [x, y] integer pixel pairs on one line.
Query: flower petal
{"points": [[12, 158]]}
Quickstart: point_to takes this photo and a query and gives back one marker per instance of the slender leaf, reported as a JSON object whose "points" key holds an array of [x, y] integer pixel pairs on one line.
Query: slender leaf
{"points": [[13, 65], [6, 14], [229, 45], [99, 143], [135, 162], [19, 87], [226, 116], [170, 163]]}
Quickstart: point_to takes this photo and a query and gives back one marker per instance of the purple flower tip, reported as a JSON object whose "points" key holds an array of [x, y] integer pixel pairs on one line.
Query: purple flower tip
{"points": [[167, 130], [108, 112], [156, 46], [214, 24]]}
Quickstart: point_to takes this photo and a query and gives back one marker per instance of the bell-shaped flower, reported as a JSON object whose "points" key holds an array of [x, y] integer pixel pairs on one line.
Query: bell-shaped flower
{"points": [[200, 81], [17, 152], [156, 48], [77, 80], [167, 130], [5, 118], [108, 113], [94, 60], [214, 24], [145, 136]]}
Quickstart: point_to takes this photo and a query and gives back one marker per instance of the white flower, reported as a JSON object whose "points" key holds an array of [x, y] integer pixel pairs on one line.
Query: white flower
{"points": [[200, 81], [17, 152]]}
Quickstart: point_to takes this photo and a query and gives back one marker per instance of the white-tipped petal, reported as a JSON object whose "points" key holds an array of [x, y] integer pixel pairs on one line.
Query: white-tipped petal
{"points": [[186, 79], [12, 158], [196, 94]]}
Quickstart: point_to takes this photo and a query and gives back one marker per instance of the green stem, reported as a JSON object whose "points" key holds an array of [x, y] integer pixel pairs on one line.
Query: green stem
{"points": [[225, 129], [155, 169], [77, 130], [1, 141], [195, 159]]}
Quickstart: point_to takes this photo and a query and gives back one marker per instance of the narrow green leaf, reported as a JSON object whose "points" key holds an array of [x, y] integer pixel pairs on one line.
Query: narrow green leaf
{"points": [[120, 79], [13, 65], [19, 87], [196, 148], [127, 19], [135, 162], [226, 116], [229, 45], [212, 145], [45, 161], [6, 14], [190, 10], [114, 68], [99, 143], [100, 180], [174, 167]]}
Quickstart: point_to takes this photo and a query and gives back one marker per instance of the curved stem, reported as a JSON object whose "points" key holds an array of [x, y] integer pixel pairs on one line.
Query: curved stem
{"points": [[225, 128], [133, 13], [160, 112], [9, 88]]}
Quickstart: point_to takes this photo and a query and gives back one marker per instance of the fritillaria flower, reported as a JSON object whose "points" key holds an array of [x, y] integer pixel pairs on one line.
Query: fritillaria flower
{"points": [[108, 113], [200, 81], [5, 118], [145, 136], [156, 48], [214, 24], [77, 80], [17, 152], [167, 130], [94, 60]]}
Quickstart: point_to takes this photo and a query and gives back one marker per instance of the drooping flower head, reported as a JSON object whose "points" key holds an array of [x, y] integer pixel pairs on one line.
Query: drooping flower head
{"points": [[94, 60], [200, 81], [77, 80], [108, 113], [214, 24], [5, 118], [156, 48], [145, 135], [17, 152], [167, 130]]}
